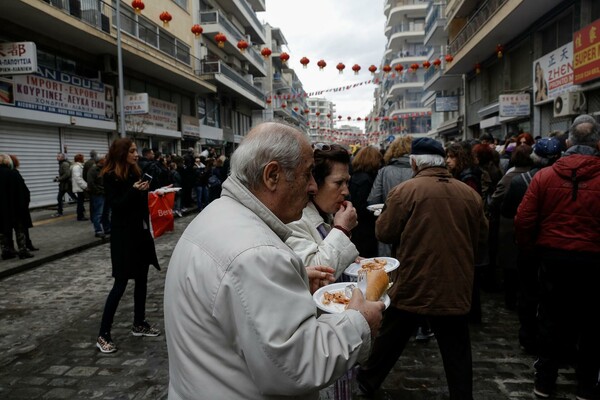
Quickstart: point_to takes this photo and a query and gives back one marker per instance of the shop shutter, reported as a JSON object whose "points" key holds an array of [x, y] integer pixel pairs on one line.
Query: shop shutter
{"points": [[80, 141], [36, 147]]}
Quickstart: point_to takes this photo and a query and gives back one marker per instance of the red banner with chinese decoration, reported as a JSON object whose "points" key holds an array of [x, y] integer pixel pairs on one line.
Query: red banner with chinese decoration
{"points": [[586, 49]]}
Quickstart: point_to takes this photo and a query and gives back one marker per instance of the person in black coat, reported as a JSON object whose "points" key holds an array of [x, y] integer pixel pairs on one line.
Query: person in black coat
{"points": [[7, 204], [131, 243], [365, 165]]}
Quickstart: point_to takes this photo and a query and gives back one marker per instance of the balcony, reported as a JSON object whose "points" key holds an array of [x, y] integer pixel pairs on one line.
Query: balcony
{"points": [[89, 25], [437, 80], [496, 21], [403, 34], [214, 22], [229, 81], [390, 6], [403, 11], [435, 24], [244, 13], [258, 5]]}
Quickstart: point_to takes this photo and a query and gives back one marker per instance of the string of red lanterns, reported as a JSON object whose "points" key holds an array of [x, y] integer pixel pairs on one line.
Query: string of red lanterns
{"points": [[165, 17]]}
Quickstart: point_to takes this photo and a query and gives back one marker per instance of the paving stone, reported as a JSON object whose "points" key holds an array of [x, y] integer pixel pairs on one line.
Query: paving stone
{"points": [[82, 371], [26, 393], [59, 393], [57, 370]]}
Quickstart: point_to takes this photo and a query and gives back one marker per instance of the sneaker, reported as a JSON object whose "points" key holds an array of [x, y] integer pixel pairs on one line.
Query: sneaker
{"points": [[543, 389], [105, 345], [178, 213], [144, 329], [25, 254], [423, 335], [100, 235]]}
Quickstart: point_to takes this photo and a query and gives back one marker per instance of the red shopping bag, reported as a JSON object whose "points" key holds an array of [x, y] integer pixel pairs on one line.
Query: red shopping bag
{"points": [[161, 212]]}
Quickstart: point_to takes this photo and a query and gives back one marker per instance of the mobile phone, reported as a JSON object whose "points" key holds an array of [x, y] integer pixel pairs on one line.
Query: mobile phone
{"points": [[146, 178]]}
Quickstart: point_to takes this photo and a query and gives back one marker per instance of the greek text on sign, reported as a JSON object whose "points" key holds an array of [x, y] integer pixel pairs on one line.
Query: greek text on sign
{"points": [[514, 105], [136, 104], [18, 58]]}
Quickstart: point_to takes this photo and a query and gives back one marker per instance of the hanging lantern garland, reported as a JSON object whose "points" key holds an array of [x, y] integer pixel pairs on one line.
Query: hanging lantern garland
{"points": [[426, 64], [242, 45], [197, 30], [386, 69], [477, 68], [436, 63], [321, 64], [499, 50], [304, 61], [414, 67], [220, 39], [165, 17], [284, 57], [138, 6], [340, 67], [373, 69], [356, 69], [266, 53], [398, 68]]}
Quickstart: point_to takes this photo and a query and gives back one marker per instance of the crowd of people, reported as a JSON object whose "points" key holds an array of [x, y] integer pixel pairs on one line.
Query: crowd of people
{"points": [[522, 217]]}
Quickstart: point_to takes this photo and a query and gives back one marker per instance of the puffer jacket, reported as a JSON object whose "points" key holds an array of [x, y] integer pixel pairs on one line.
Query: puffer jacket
{"points": [[77, 179], [560, 209], [396, 172]]}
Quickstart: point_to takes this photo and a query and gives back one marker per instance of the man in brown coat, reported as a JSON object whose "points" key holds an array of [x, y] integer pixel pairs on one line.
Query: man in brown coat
{"points": [[435, 224]]}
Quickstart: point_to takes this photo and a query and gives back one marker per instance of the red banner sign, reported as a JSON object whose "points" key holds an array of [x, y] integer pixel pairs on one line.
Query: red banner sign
{"points": [[586, 46]]}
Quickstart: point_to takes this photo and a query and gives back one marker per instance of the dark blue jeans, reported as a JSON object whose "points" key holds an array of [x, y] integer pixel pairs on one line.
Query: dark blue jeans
{"points": [[100, 214], [201, 196], [80, 205], [60, 199]]}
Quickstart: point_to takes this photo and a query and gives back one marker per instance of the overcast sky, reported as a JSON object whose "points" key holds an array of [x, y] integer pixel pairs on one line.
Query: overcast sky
{"points": [[347, 31]]}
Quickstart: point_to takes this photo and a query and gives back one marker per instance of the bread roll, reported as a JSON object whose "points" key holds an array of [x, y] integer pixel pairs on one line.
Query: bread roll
{"points": [[377, 284]]}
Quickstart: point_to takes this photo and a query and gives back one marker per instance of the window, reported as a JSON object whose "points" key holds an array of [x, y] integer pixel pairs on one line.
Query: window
{"points": [[167, 43], [474, 89], [557, 33], [147, 32], [181, 3]]}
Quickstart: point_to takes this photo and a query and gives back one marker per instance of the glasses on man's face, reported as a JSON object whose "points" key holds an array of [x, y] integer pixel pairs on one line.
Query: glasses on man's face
{"points": [[321, 146]]}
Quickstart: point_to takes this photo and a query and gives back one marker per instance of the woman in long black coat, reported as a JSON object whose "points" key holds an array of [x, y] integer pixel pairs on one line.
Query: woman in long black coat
{"points": [[131, 243]]}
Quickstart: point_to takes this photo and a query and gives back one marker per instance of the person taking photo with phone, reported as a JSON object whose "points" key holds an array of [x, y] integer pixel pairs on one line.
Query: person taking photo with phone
{"points": [[131, 243]]}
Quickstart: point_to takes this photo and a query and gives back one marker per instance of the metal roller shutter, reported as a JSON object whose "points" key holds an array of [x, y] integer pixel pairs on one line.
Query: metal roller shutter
{"points": [[79, 141], [36, 147]]}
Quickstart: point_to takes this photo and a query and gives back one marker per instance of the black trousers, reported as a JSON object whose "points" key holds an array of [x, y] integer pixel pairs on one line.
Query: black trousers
{"points": [[114, 297], [454, 342], [568, 314]]}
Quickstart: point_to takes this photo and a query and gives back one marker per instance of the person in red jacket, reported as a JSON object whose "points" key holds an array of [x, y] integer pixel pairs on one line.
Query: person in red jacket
{"points": [[560, 217]]}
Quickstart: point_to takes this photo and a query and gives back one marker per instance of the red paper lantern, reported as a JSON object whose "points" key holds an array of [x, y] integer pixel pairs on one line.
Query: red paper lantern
{"points": [[414, 67], [449, 58], [398, 68], [242, 45], [426, 64], [339, 117], [321, 64], [477, 68], [296, 109], [349, 118], [306, 111], [329, 116], [197, 30], [283, 105], [266, 52], [220, 39], [386, 69], [356, 68], [138, 6], [359, 119], [366, 119], [165, 17], [284, 57], [499, 50], [269, 101], [340, 67], [304, 61], [373, 68], [437, 62], [317, 113]]}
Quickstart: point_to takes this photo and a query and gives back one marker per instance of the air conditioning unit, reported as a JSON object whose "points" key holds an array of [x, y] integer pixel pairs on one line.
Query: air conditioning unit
{"points": [[569, 104]]}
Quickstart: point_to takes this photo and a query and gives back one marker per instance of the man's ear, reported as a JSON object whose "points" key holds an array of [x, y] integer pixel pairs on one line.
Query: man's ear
{"points": [[271, 175]]}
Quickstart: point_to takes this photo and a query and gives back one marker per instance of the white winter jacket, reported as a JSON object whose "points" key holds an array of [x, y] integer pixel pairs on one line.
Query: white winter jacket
{"points": [[239, 318], [335, 251], [79, 183]]}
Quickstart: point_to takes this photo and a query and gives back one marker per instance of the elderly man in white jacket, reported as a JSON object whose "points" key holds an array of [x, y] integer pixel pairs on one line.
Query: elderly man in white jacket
{"points": [[240, 320]]}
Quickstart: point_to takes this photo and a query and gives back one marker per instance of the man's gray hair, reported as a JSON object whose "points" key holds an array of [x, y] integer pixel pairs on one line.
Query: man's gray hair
{"points": [[427, 160], [270, 141], [94, 155], [584, 131]]}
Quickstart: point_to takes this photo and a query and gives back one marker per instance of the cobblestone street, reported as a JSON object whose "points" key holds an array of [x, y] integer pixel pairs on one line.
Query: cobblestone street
{"points": [[50, 318]]}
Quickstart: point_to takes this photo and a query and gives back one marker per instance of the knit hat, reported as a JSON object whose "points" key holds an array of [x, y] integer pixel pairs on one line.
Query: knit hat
{"points": [[585, 119], [547, 147], [427, 146]]}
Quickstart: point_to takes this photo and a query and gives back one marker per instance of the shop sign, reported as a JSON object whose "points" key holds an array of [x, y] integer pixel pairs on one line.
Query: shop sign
{"points": [[18, 58], [446, 103], [160, 115], [59, 93], [514, 105], [587, 53], [134, 104], [190, 126], [553, 74]]}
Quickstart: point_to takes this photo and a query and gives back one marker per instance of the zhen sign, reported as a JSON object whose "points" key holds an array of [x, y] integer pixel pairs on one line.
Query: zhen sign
{"points": [[587, 53], [18, 58]]}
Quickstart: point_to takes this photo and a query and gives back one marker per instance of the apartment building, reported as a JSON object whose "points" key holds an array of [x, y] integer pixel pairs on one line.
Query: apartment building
{"points": [[182, 88], [399, 99], [321, 114], [516, 66]]}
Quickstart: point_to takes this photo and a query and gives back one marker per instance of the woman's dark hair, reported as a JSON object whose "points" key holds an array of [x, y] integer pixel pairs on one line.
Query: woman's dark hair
{"points": [[521, 156], [463, 157], [368, 159], [325, 158], [116, 160], [78, 157]]}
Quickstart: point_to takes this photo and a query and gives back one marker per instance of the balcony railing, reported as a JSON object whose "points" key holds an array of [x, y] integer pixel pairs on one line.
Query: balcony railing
{"points": [[89, 11], [437, 13], [252, 14], [215, 17], [218, 67], [407, 28], [431, 71], [475, 23], [400, 3]]}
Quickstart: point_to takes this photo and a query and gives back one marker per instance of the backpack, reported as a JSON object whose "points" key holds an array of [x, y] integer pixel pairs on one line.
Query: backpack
{"points": [[214, 181]]}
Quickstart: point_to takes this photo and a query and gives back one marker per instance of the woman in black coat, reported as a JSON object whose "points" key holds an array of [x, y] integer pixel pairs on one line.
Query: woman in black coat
{"points": [[131, 243]]}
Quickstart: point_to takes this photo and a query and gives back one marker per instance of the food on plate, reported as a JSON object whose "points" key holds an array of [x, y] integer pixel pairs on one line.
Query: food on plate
{"points": [[335, 297], [376, 263], [377, 283]]}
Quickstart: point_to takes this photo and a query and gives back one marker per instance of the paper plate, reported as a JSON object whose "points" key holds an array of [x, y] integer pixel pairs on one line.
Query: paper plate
{"points": [[375, 207], [391, 265], [335, 307]]}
